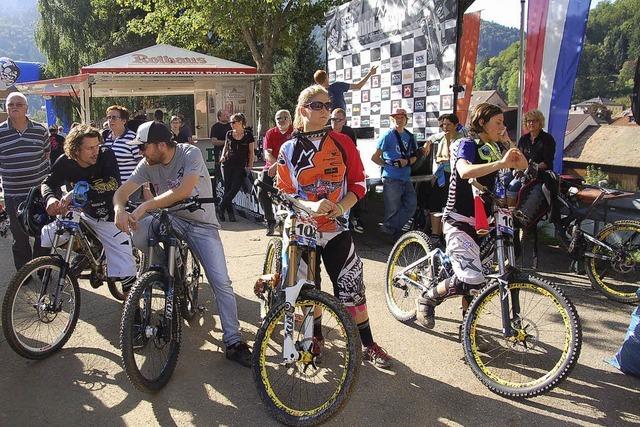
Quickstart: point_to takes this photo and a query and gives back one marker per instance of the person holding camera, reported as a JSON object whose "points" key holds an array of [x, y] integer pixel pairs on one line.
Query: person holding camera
{"points": [[396, 152]]}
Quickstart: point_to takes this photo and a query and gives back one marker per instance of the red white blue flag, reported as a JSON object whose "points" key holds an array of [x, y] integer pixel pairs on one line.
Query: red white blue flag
{"points": [[555, 36]]}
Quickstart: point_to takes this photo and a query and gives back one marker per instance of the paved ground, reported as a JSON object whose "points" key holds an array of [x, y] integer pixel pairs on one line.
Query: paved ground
{"points": [[429, 385]]}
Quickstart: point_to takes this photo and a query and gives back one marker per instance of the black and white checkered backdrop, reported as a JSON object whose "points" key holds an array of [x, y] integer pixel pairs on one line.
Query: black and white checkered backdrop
{"points": [[413, 43]]}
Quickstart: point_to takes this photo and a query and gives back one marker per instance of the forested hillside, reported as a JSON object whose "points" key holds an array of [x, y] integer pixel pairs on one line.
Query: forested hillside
{"points": [[494, 38], [612, 47], [17, 39]]}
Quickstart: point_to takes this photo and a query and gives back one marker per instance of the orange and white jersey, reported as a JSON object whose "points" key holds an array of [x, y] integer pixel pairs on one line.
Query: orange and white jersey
{"points": [[326, 168]]}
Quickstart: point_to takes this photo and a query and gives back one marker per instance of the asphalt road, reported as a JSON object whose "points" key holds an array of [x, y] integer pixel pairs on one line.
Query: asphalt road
{"points": [[429, 385]]}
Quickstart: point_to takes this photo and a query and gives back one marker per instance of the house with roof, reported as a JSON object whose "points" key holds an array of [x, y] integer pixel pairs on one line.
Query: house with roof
{"points": [[481, 96], [593, 105], [624, 119], [614, 149], [576, 124]]}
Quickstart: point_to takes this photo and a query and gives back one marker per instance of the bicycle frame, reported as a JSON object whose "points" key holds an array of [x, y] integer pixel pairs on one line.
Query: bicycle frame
{"points": [[293, 286], [75, 232]]}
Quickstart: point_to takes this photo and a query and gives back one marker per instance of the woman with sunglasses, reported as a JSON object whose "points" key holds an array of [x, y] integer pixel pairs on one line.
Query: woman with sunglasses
{"points": [[237, 157], [482, 157], [323, 168]]}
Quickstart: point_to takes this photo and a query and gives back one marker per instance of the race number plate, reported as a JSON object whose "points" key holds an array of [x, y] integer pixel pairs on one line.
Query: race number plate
{"points": [[505, 221], [71, 218], [305, 232]]}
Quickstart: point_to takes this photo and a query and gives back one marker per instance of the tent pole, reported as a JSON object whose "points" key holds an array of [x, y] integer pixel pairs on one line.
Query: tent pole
{"points": [[521, 72]]}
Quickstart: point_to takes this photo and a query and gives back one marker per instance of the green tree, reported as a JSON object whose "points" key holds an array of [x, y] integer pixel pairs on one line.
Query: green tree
{"points": [[263, 26], [75, 33], [294, 72], [500, 73]]}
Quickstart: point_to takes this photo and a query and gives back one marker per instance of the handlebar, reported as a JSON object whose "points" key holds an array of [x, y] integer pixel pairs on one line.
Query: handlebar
{"points": [[485, 191], [290, 201]]}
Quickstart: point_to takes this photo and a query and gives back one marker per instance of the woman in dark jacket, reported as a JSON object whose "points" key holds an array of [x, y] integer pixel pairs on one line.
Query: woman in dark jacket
{"points": [[237, 158]]}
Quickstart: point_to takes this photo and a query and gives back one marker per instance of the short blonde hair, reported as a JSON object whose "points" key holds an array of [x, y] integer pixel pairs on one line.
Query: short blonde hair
{"points": [[320, 77], [534, 115], [304, 98]]}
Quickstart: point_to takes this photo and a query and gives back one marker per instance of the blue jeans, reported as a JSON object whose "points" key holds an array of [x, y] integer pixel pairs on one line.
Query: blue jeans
{"points": [[205, 242], [399, 203]]}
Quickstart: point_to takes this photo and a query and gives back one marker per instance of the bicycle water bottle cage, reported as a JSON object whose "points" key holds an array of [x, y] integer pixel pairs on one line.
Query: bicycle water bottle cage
{"points": [[80, 195]]}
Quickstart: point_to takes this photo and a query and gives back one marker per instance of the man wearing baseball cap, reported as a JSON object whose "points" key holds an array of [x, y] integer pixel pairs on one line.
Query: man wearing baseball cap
{"points": [[177, 172], [396, 152]]}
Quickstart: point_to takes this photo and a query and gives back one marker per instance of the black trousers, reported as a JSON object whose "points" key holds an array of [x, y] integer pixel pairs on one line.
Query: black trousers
{"points": [[22, 251], [233, 178], [265, 200]]}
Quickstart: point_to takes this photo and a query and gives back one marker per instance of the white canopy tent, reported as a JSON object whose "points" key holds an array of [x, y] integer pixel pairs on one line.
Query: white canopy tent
{"points": [[161, 70]]}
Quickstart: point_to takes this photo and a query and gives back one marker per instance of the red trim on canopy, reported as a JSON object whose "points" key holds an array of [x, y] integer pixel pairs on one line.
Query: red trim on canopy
{"points": [[191, 71]]}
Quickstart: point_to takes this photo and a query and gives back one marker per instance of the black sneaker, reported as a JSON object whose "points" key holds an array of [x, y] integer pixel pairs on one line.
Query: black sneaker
{"points": [[271, 228], [231, 214], [240, 353]]}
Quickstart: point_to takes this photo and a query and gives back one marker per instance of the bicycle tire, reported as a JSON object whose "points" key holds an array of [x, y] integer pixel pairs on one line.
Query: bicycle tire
{"points": [[273, 256], [350, 352], [70, 300], [189, 295], [539, 370], [622, 286], [132, 342], [409, 248]]}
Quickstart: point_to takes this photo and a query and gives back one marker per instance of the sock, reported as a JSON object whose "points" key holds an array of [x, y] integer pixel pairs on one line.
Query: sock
{"points": [[365, 333], [317, 328]]}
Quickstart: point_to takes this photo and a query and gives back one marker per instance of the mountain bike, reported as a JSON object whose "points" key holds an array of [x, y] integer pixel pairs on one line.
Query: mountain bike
{"points": [[611, 257], [150, 331], [42, 304], [307, 352], [521, 335]]}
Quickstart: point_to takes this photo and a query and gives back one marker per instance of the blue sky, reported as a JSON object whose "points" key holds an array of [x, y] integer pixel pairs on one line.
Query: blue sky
{"points": [[505, 12]]}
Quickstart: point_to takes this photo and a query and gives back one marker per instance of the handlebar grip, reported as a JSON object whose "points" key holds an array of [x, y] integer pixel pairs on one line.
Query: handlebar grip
{"points": [[479, 186], [341, 220]]}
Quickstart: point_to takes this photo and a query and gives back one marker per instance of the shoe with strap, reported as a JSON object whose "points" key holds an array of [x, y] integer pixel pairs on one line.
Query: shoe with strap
{"points": [[377, 355]]}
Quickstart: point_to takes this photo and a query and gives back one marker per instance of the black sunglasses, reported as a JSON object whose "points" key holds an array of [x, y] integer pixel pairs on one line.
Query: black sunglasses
{"points": [[317, 105]]}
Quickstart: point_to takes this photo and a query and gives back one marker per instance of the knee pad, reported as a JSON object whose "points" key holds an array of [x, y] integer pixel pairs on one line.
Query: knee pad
{"points": [[458, 287]]}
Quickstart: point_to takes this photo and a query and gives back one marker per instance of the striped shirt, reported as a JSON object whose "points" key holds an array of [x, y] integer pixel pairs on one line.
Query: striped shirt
{"points": [[24, 158], [127, 155]]}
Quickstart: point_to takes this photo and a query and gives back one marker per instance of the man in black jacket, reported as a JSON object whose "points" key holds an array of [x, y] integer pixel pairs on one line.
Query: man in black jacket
{"points": [[85, 160]]}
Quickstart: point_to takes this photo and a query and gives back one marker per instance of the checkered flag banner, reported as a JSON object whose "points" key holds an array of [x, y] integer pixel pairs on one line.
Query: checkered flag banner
{"points": [[413, 43]]}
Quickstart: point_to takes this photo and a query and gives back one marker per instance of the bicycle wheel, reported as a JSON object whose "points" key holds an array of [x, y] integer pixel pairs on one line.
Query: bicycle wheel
{"points": [[33, 325], [149, 334], [617, 279], [310, 390], [115, 286], [273, 256], [401, 296], [543, 351], [189, 295]]}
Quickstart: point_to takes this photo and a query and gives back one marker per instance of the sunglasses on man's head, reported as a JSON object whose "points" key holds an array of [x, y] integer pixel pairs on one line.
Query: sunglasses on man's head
{"points": [[317, 105]]}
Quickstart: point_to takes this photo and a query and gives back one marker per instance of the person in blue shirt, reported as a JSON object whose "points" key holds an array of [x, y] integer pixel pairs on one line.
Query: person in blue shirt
{"points": [[337, 89], [396, 152]]}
